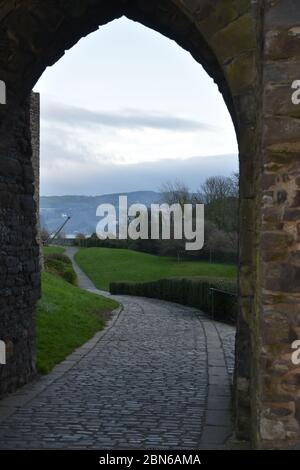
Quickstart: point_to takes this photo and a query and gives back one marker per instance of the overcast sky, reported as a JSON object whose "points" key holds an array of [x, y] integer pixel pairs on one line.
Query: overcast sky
{"points": [[127, 109]]}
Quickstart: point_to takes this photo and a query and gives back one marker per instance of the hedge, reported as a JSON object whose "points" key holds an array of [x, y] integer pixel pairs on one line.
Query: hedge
{"points": [[193, 292]]}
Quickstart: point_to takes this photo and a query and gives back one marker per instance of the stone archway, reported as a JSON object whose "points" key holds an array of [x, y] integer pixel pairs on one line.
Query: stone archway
{"points": [[250, 49]]}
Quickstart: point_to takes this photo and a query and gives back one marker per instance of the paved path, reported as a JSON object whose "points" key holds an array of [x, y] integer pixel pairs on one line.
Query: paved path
{"points": [[157, 377]]}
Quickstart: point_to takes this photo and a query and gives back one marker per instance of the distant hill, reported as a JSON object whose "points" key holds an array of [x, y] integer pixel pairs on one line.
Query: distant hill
{"points": [[82, 209]]}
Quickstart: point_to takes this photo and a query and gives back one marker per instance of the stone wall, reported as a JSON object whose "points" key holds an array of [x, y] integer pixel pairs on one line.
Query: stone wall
{"points": [[19, 253], [35, 143], [278, 301]]}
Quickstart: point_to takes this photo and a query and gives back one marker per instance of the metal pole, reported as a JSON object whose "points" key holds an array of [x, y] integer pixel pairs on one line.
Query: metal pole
{"points": [[58, 231]]}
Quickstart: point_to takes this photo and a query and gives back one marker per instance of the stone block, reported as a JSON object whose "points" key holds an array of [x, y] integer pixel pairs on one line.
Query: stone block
{"points": [[236, 38], [282, 44], [282, 14], [241, 73]]}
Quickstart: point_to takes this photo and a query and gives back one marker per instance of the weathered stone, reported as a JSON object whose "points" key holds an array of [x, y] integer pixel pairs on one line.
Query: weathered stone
{"points": [[298, 233], [281, 72], [271, 431], [278, 100], [268, 180], [284, 411], [271, 214], [275, 328], [296, 199], [237, 36], [276, 242], [213, 17], [282, 129], [281, 196], [291, 215], [291, 381], [281, 44], [282, 14], [240, 73], [289, 279]]}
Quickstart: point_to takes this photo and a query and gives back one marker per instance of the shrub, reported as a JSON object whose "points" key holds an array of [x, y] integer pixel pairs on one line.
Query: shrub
{"points": [[69, 275], [60, 265], [58, 257], [194, 292]]}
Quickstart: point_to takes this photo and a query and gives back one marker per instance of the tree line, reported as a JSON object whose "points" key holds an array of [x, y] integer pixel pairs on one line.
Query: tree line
{"points": [[220, 196]]}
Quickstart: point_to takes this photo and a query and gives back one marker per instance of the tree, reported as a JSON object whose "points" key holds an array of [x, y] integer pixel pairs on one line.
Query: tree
{"points": [[79, 239], [175, 193], [220, 195], [219, 241], [217, 188], [235, 181], [44, 234]]}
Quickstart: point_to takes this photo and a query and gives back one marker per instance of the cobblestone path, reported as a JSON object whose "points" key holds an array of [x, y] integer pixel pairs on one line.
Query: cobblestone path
{"points": [[157, 377]]}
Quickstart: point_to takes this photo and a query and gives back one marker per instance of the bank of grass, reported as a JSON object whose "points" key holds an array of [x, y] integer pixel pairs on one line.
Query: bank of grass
{"points": [[53, 249], [67, 317], [60, 265], [106, 265]]}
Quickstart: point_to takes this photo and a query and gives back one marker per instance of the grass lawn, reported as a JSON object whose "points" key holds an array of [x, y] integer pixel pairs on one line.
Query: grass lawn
{"points": [[53, 249], [67, 317], [105, 265]]}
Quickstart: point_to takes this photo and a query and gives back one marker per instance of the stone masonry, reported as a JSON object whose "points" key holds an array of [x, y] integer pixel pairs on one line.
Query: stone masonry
{"points": [[35, 142], [251, 49]]}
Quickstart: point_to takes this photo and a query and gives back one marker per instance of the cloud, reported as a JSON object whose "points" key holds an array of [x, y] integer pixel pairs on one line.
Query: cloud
{"points": [[62, 175], [127, 119], [75, 163]]}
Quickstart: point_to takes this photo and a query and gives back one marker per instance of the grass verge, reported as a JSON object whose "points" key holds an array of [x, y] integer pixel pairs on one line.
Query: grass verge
{"points": [[67, 317], [105, 265]]}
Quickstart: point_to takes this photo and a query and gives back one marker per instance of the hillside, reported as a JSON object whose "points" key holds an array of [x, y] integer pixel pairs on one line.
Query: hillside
{"points": [[82, 209]]}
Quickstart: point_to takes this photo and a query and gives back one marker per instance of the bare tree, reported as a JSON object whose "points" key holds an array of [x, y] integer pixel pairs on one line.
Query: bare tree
{"points": [[175, 193], [216, 188], [80, 237], [235, 182], [44, 234], [220, 195]]}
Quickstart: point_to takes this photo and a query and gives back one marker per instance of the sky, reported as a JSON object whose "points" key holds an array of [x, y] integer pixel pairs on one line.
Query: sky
{"points": [[127, 109]]}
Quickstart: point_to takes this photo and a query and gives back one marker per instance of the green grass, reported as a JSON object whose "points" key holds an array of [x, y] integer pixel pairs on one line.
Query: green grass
{"points": [[60, 265], [67, 317], [105, 265], [53, 249]]}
